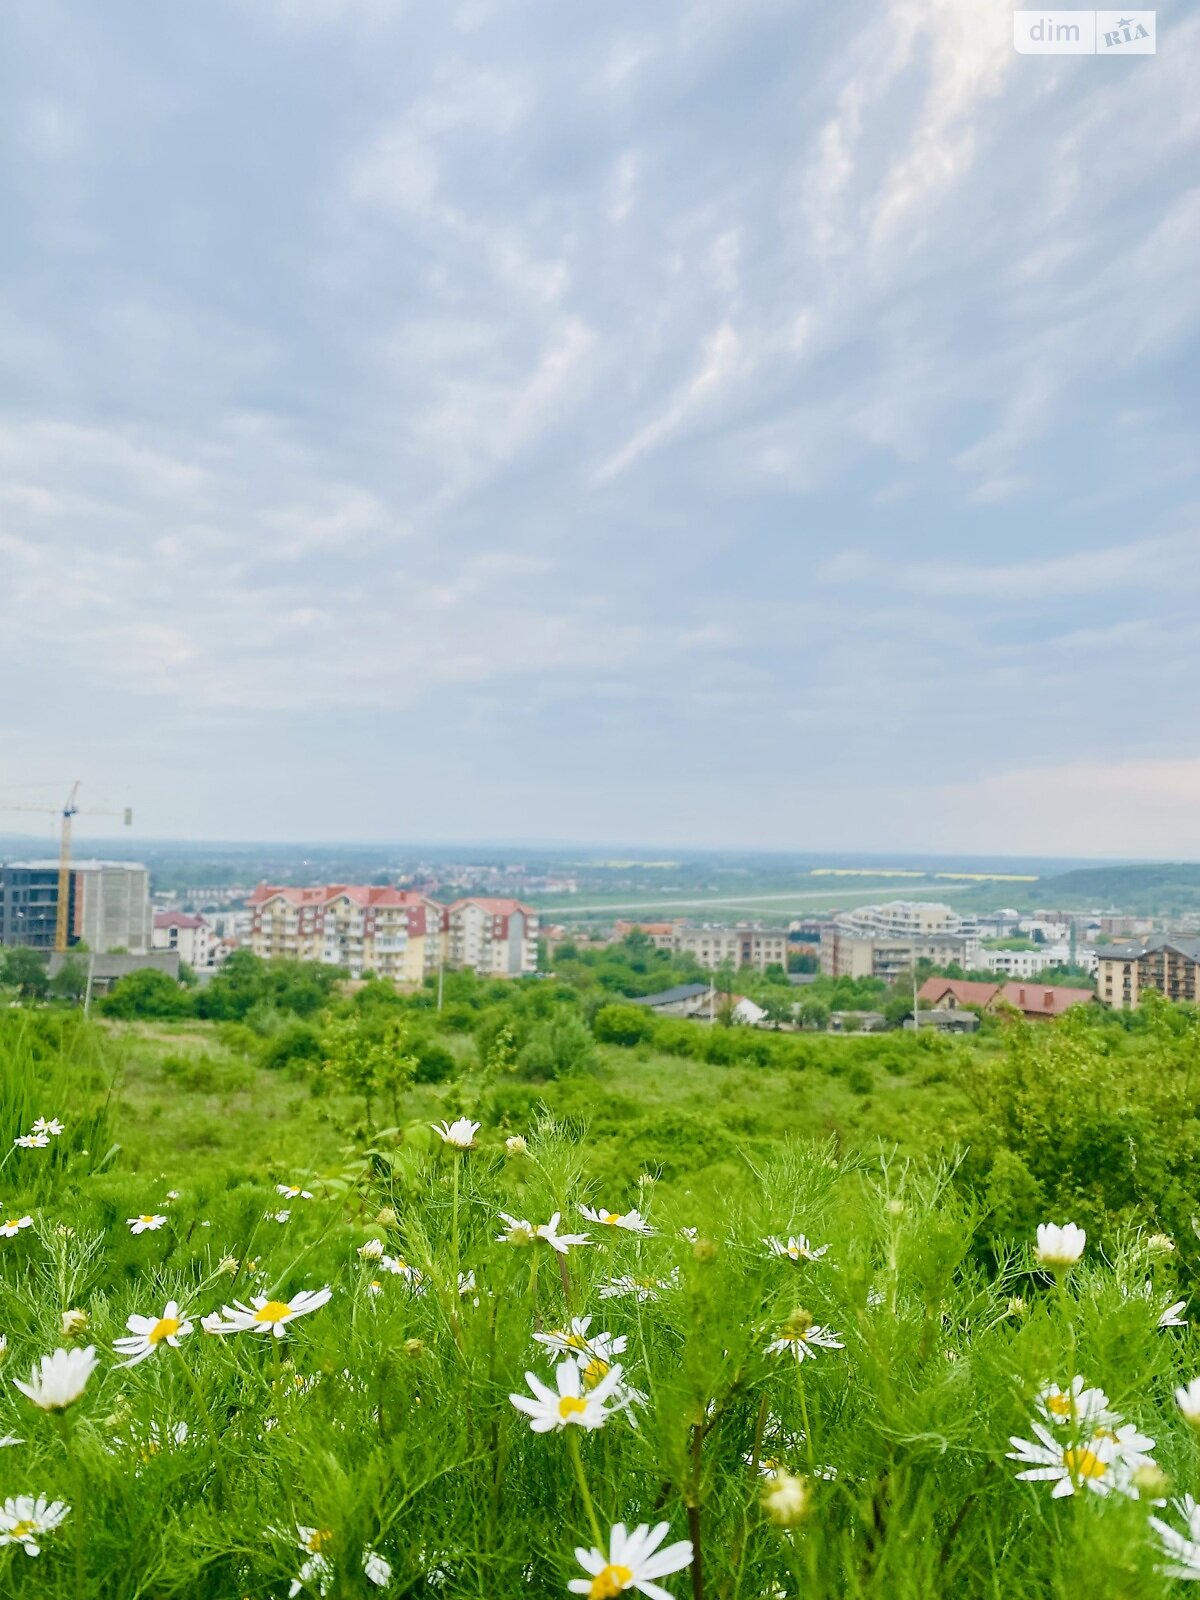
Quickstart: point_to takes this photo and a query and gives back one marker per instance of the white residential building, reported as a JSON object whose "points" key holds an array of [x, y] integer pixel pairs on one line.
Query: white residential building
{"points": [[190, 935], [497, 938], [917, 920]]}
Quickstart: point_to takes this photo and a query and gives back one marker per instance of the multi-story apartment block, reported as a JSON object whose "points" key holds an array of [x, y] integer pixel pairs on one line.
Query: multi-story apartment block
{"points": [[736, 947], [498, 938], [108, 909], [660, 934], [1167, 963], [918, 920], [853, 955], [394, 933]]}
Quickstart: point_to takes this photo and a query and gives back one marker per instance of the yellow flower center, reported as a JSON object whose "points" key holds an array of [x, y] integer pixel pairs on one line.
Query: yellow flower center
{"points": [[611, 1217], [318, 1539], [273, 1311], [21, 1530], [1060, 1404], [1084, 1463], [609, 1582], [596, 1369], [571, 1405], [573, 1341], [163, 1329]]}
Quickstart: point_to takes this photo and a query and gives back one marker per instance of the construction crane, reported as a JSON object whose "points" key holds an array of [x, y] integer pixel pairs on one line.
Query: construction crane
{"points": [[62, 916]]}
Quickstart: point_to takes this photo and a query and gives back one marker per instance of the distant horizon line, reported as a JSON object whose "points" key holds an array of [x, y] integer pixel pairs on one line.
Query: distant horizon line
{"points": [[898, 857]]}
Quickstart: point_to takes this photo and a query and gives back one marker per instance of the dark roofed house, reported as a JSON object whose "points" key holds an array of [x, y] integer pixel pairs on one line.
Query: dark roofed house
{"points": [[684, 1000]]}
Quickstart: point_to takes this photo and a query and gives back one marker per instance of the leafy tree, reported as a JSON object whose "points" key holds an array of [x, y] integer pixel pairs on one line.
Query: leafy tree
{"points": [[374, 1067], [25, 971], [146, 993], [628, 1025], [559, 1048], [70, 981]]}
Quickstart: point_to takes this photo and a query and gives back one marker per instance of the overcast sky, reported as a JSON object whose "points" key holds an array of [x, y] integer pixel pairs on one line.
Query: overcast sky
{"points": [[725, 422]]}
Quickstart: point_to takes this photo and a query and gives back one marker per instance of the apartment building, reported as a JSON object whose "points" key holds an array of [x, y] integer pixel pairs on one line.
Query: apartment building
{"points": [[1167, 963], [660, 934], [1028, 963], [495, 937], [855, 955], [916, 920], [395, 933], [749, 946], [108, 908]]}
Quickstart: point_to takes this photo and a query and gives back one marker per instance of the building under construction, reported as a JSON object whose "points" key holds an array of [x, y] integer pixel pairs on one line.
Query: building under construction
{"points": [[108, 905]]}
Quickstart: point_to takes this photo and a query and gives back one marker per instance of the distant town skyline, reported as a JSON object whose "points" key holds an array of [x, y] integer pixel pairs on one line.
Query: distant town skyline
{"points": [[729, 425]]}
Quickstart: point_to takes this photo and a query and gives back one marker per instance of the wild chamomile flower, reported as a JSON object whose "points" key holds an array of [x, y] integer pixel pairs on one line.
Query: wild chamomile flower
{"points": [[574, 1340], [570, 1403], [291, 1191], [13, 1226], [627, 1221], [48, 1125], [1161, 1244], [1181, 1549], [371, 1251], [786, 1498], [800, 1337], [148, 1223], [1171, 1318], [32, 1141], [460, 1135], [1059, 1247], [276, 1216], [399, 1268], [58, 1380], [149, 1332], [1093, 1464], [317, 1570], [517, 1230], [1074, 1405], [634, 1561], [265, 1316], [1187, 1399], [24, 1519], [796, 1248], [641, 1289]]}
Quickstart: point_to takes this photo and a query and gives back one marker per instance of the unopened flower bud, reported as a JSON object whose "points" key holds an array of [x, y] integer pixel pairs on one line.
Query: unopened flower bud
{"points": [[414, 1348], [387, 1218], [704, 1250], [1160, 1244], [895, 1208], [228, 1264], [73, 1322], [516, 1145], [372, 1250], [1016, 1306]]}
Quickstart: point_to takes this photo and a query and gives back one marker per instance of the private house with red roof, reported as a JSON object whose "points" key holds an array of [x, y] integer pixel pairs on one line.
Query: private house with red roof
{"points": [[1040, 1000], [395, 933], [190, 935]]}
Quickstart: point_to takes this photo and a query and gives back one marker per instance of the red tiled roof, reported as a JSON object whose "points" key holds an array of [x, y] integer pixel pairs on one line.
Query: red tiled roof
{"points": [[321, 894], [965, 992], [1044, 1000], [177, 919], [498, 908]]}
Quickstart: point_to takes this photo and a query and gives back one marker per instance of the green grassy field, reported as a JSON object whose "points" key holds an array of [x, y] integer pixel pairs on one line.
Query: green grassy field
{"points": [[657, 1326]]}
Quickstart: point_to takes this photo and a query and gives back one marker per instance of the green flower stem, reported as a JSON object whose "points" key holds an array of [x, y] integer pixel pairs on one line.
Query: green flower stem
{"points": [[78, 1496], [209, 1426], [808, 1438], [454, 1268], [585, 1495]]}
